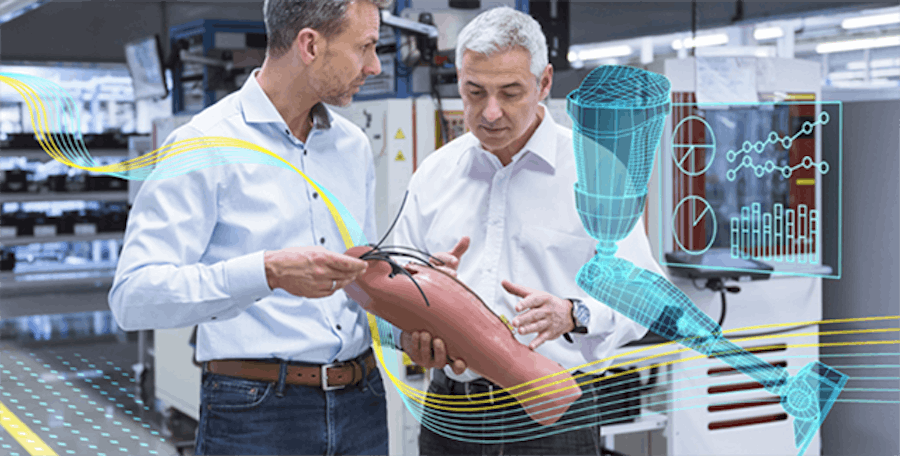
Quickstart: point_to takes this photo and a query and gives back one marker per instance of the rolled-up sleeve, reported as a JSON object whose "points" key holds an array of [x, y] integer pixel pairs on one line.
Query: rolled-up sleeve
{"points": [[159, 281]]}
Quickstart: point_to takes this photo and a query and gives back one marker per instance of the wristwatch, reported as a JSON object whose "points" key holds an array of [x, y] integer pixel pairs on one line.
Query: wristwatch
{"points": [[581, 316]]}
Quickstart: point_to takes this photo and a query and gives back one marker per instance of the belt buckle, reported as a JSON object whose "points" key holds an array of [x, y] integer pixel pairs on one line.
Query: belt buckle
{"points": [[324, 377]]}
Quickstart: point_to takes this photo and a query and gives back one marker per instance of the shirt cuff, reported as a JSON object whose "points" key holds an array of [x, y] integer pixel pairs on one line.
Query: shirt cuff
{"points": [[246, 276], [603, 319], [395, 331]]}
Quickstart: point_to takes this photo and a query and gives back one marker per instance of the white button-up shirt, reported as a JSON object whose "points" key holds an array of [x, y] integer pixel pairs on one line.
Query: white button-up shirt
{"points": [[524, 228], [194, 245]]}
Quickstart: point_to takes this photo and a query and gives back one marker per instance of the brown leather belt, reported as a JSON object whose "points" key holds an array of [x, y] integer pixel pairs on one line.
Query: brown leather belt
{"points": [[338, 375]]}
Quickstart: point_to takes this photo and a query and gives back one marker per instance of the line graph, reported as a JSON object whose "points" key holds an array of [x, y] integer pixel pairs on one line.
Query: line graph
{"points": [[769, 166]]}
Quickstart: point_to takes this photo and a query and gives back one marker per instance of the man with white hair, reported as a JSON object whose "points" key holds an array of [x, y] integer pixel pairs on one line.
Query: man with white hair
{"points": [[503, 195]]}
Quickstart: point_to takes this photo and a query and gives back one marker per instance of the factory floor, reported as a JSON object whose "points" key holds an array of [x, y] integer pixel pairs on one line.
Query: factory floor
{"points": [[75, 392]]}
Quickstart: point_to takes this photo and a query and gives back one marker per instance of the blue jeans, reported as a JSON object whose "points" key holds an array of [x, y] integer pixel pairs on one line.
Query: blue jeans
{"points": [[239, 416], [478, 426]]}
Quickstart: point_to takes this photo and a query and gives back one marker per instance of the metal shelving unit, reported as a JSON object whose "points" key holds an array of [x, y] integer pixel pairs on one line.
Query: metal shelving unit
{"points": [[33, 289], [24, 240], [40, 154], [111, 195], [60, 276]]}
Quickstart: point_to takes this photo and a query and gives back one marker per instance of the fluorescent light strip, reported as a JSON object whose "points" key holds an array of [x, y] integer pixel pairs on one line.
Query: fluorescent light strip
{"points": [[871, 21], [768, 33], [700, 41], [855, 45], [605, 52]]}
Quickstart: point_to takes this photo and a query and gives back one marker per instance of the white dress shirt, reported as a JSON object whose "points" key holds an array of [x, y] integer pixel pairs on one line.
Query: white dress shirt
{"points": [[193, 251], [524, 228]]}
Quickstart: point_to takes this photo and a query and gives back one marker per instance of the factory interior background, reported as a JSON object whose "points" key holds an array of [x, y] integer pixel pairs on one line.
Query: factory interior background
{"points": [[73, 382]]}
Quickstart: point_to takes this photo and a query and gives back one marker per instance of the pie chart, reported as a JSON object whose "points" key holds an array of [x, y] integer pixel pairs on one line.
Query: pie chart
{"points": [[685, 148], [695, 210]]}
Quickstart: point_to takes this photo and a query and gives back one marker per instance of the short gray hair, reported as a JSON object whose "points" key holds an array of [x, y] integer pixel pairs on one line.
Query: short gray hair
{"points": [[498, 29], [285, 18]]}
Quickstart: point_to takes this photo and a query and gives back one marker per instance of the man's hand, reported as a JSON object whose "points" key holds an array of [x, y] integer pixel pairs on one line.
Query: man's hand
{"points": [[427, 353], [546, 314], [311, 272], [449, 261]]}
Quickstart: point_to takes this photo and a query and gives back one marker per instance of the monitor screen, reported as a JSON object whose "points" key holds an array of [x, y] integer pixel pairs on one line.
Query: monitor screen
{"points": [[144, 59]]}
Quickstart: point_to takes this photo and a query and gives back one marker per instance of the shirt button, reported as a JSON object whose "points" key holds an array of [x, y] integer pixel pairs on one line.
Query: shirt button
{"points": [[304, 152], [321, 240], [315, 195], [338, 327]]}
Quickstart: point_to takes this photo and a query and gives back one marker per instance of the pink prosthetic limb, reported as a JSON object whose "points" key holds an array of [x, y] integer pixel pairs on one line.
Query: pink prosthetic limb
{"points": [[470, 330]]}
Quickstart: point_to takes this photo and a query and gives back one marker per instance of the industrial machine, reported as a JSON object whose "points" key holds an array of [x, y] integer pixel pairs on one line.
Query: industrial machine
{"points": [[700, 229], [212, 58]]}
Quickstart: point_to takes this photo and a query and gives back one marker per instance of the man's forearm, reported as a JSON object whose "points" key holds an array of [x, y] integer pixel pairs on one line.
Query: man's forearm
{"points": [[169, 296]]}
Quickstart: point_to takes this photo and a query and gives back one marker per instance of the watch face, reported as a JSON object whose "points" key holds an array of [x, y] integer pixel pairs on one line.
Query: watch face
{"points": [[582, 314]]}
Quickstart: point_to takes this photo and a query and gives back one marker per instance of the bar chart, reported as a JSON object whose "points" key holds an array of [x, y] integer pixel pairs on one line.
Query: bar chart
{"points": [[782, 235]]}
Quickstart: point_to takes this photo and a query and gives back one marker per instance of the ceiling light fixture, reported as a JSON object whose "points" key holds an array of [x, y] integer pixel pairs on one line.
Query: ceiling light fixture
{"points": [[600, 53], [855, 45], [700, 41], [767, 33], [871, 21]]}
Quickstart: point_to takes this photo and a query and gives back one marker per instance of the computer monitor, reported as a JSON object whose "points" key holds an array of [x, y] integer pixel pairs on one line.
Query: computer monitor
{"points": [[145, 62]]}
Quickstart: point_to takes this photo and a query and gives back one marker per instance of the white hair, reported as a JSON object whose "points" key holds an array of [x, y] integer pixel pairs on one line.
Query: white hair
{"points": [[499, 29]]}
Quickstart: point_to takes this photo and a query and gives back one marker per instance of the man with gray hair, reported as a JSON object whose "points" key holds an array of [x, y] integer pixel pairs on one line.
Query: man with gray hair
{"points": [[251, 254], [506, 187]]}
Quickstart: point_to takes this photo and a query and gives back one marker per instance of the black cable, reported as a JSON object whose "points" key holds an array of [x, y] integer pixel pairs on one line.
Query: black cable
{"points": [[420, 252], [396, 218], [397, 269], [436, 94], [392, 253], [693, 25], [724, 308]]}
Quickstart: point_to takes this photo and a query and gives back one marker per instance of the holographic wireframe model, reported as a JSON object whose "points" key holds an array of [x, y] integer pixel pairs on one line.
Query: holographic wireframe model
{"points": [[618, 115]]}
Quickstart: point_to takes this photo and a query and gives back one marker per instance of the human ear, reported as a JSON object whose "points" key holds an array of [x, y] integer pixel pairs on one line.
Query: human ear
{"points": [[546, 81], [310, 44]]}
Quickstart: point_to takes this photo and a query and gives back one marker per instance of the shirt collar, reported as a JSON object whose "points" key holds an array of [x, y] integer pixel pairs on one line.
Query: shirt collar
{"points": [[258, 108], [542, 142]]}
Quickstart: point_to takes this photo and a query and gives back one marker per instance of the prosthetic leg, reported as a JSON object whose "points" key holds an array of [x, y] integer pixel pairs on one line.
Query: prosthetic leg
{"points": [[618, 115]]}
